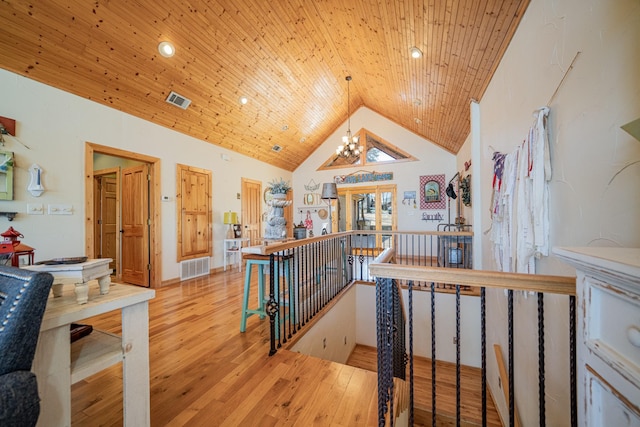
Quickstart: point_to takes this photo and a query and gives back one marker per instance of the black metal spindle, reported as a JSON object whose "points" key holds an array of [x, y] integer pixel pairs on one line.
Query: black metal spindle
{"points": [[572, 361], [458, 355], [433, 354], [511, 370], [541, 376], [483, 350], [272, 309], [410, 317]]}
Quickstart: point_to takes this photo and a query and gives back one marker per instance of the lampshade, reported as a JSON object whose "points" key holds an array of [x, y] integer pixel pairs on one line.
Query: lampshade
{"points": [[230, 217], [329, 191]]}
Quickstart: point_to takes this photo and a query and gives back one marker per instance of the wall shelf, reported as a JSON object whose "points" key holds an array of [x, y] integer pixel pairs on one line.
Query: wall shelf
{"points": [[9, 215]]}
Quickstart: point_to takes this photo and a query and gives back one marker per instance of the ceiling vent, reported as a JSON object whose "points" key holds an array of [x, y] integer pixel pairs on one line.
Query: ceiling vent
{"points": [[178, 100], [276, 148]]}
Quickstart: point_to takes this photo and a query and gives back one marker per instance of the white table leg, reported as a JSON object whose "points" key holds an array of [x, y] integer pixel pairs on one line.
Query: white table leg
{"points": [[52, 367], [57, 289], [82, 292], [104, 282], [135, 368]]}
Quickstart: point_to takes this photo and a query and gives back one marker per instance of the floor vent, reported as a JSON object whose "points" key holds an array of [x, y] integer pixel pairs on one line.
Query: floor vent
{"points": [[178, 100], [194, 268]]}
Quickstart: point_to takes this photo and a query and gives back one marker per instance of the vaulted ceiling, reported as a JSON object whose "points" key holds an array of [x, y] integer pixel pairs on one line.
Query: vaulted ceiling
{"points": [[289, 58]]}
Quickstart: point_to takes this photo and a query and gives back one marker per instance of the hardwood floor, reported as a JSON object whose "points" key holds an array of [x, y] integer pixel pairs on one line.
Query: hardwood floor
{"points": [[470, 390], [204, 372]]}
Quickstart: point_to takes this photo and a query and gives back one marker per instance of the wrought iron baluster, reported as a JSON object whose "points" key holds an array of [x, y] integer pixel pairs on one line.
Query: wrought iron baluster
{"points": [[433, 354], [541, 402], [483, 349], [572, 361], [410, 317], [458, 355], [511, 370]]}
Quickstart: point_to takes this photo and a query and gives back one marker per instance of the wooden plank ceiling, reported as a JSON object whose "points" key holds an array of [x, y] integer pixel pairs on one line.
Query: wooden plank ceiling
{"points": [[290, 58]]}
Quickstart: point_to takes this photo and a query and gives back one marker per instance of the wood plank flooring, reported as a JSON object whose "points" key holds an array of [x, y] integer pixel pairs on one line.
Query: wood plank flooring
{"points": [[470, 390], [204, 372]]}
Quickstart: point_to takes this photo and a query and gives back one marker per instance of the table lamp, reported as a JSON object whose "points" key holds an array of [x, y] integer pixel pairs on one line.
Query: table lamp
{"points": [[329, 192], [230, 218]]}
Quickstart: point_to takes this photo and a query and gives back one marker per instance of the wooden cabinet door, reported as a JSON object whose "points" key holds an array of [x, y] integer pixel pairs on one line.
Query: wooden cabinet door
{"points": [[135, 225], [194, 213]]}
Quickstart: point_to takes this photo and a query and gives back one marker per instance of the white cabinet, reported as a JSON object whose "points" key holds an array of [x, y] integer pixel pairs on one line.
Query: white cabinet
{"points": [[233, 251], [58, 364], [608, 342]]}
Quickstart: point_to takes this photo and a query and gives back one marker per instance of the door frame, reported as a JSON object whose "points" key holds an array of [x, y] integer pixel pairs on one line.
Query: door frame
{"points": [[106, 172], [155, 240]]}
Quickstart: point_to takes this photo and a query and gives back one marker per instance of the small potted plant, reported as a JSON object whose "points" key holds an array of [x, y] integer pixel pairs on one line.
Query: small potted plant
{"points": [[279, 187]]}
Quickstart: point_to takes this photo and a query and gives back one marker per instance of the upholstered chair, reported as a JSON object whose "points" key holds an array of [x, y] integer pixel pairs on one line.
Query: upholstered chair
{"points": [[23, 298]]}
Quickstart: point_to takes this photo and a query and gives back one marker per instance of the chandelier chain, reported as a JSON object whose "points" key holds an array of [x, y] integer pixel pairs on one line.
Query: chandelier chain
{"points": [[349, 147]]}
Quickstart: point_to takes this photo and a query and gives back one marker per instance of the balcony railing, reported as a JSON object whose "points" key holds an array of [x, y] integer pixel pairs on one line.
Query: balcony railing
{"points": [[312, 272], [387, 276]]}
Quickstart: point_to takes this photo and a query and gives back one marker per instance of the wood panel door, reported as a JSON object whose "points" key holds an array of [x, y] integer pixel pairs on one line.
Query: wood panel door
{"points": [[252, 210], [135, 225], [107, 216], [288, 214], [194, 212]]}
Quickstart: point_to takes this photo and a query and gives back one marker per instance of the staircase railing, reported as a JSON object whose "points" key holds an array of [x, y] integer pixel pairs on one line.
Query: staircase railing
{"points": [[388, 275], [312, 272]]}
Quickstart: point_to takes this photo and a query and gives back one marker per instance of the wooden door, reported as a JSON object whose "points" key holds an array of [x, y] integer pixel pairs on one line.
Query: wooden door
{"points": [[252, 210], [135, 225], [288, 214], [107, 216], [194, 212]]}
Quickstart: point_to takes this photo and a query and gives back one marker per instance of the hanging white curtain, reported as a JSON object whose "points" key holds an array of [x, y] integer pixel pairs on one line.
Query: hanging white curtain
{"points": [[520, 203]]}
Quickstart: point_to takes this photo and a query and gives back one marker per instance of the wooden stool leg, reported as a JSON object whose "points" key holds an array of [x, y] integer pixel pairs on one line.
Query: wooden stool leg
{"points": [[245, 298], [261, 290]]}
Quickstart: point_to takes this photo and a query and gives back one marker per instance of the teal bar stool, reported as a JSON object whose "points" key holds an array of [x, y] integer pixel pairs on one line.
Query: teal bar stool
{"points": [[262, 261]]}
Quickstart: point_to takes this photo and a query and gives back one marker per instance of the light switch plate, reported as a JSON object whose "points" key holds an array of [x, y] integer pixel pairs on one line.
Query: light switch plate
{"points": [[60, 210], [35, 209]]}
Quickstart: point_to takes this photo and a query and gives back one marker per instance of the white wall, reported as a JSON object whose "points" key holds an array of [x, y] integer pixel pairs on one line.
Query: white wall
{"points": [[56, 125], [432, 160], [594, 189], [333, 336]]}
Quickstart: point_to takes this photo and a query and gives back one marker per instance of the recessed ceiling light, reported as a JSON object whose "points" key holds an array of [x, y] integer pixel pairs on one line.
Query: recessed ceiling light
{"points": [[303, 139], [417, 102], [285, 127], [417, 120], [243, 100], [415, 52], [166, 49]]}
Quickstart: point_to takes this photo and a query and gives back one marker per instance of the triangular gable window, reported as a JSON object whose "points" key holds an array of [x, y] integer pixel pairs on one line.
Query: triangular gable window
{"points": [[376, 151]]}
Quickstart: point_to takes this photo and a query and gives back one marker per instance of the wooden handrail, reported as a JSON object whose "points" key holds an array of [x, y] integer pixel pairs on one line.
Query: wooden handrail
{"points": [[290, 244], [562, 285], [385, 256]]}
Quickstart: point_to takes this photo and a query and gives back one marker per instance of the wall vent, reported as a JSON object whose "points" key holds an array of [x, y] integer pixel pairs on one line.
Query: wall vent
{"points": [[194, 268], [178, 100], [276, 148]]}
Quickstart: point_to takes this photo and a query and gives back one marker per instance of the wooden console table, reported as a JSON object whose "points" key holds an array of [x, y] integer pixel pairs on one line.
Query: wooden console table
{"points": [[59, 364], [78, 274]]}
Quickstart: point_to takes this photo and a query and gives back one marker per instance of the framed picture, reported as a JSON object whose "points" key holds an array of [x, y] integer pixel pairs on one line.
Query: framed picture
{"points": [[6, 175], [432, 192], [237, 231]]}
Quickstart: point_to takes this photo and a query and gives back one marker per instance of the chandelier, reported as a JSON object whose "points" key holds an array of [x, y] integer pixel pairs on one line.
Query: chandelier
{"points": [[349, 147]]}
